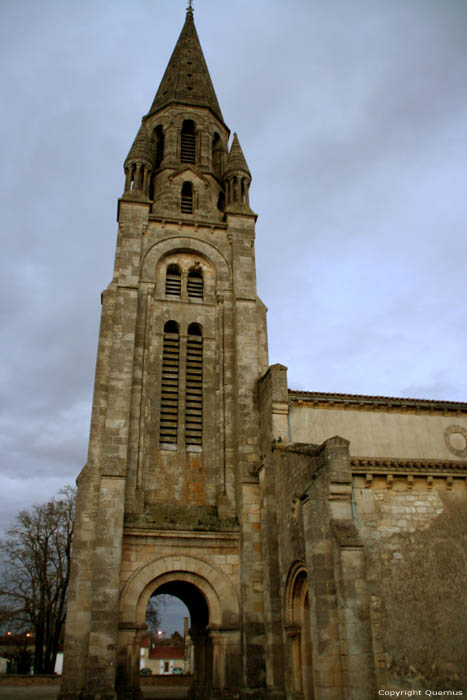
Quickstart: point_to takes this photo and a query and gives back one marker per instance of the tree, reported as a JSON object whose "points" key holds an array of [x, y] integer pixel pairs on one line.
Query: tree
{"points": [[153, 613], [34, 581]]}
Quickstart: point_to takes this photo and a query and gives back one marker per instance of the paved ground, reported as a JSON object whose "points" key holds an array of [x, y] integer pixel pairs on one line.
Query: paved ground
{"points": [[50, 692]]}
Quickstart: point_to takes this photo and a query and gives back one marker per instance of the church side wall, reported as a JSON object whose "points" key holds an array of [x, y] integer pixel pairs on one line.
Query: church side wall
{"points": [[383, 432], [415, 536]]}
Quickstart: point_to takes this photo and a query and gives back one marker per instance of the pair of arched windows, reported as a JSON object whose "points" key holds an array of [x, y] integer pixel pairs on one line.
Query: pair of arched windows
{"points": [[170, 418], [194, 282]]}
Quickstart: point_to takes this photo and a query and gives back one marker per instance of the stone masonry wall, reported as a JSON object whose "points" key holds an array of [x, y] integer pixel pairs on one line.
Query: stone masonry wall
{"points": [[415, 536]]}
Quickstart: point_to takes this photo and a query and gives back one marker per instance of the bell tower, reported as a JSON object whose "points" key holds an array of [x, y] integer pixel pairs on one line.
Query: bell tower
{"points": [[169, 498]]}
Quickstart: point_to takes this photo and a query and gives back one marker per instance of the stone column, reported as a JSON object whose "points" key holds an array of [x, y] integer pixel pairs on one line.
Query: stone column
{"points": [[339, 602]]}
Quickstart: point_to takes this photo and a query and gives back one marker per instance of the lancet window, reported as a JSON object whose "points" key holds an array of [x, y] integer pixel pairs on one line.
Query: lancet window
{"points": [[173, 281], [159, 138], [168, 432], [188, 142], [195, 284], [194, 386], [187, 198]]}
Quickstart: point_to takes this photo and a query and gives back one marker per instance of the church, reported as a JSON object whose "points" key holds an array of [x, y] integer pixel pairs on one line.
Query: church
{"points": [[318, 540]]}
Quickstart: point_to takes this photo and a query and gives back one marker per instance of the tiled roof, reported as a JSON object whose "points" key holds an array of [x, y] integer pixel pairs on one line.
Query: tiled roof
{"points": [[167, 652]]}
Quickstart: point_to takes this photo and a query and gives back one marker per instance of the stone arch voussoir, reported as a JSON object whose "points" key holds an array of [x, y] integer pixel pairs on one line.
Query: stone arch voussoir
{"points": [[220, 595], [296, 572], [189, 244]]}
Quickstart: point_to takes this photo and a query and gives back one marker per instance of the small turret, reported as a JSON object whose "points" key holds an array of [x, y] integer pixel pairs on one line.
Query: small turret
{"points": [[237, 178], [138, 164]]}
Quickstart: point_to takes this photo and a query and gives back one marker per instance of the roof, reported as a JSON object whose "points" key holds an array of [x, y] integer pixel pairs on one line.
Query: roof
{"points": [[167, 652], [400, 402], [186, 79], [236, 160]]}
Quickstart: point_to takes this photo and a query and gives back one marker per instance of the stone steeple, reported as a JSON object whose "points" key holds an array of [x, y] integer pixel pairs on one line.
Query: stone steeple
{"points": [[186, 79], [168, 501]]}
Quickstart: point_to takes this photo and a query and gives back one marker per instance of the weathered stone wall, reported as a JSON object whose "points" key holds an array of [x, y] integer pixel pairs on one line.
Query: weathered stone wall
{"points": [[413, 432], [415, 536]]}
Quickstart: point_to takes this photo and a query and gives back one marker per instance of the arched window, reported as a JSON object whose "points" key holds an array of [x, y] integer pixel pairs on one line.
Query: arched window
{"points": [[187, 198], [188, 142], [169, 385], [195, 284], [194, 387], [217, 154], [159, 136], [173, 281]]}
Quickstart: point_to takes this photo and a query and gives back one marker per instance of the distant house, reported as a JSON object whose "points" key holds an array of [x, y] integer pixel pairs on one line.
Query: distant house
{"points": [[164, 656], [164, 659]]}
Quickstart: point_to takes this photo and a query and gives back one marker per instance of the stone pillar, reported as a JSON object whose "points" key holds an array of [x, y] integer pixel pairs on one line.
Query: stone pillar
{"points": [[339, 602], [129, 647]]}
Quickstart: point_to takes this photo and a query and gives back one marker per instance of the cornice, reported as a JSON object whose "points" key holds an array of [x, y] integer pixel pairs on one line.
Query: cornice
{"points": [[385, 465], [363, 402]]}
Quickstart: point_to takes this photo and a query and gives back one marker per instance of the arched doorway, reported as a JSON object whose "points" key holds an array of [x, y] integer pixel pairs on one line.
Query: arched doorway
{"points": [[214, 622], [191, 596], [299, 634]]}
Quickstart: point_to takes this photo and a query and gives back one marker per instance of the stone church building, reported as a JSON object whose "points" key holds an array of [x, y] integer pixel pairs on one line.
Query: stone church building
{"points": [[318, 540]]}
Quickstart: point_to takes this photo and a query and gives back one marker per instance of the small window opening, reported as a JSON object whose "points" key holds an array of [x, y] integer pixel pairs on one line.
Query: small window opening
{"points": [[187, 198], [195, 284], [188, 142], [221, 201], [160, 138], [194, 386], [173, 281], [169, 384]]}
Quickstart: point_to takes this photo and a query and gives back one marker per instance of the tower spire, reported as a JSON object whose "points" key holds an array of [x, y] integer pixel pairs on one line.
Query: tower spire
{"points": [[186, 79]]}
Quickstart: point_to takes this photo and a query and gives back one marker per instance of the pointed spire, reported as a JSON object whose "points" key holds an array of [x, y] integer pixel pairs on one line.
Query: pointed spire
{"points": [[186, 79], [236, 160], [141, 149]]}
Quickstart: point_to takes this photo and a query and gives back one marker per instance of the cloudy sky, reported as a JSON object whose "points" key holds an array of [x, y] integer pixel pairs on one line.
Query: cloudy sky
{"points": [[353, 119]]}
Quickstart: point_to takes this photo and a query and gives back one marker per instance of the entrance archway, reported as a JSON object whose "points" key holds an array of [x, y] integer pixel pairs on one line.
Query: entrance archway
{"points": [[299, 634], [198, 609], [214, 613]]}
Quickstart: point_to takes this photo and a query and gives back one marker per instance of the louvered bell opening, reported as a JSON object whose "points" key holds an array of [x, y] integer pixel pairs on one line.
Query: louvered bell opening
{"points": [[195, 286], [159, 152], [173, 285], [194, 392], [187, 198], [187, 204], [187, 148], [169, 390]]}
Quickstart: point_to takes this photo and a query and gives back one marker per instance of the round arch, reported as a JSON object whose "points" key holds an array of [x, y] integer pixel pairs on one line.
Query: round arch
{"points": [[220, 596], [297, 622], [188, 244], [297, 581]]}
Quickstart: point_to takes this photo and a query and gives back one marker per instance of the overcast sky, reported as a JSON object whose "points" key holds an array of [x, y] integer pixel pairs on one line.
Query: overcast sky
{"points": [[353, 119]]}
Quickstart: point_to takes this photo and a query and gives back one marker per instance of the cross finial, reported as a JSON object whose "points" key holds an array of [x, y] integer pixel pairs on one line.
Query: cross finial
{"points": [[189, 9]]}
